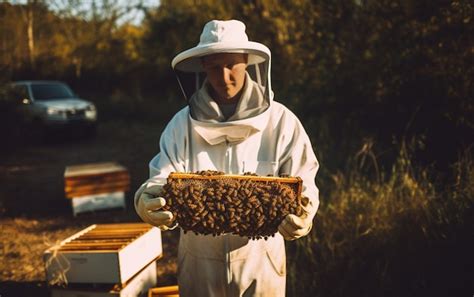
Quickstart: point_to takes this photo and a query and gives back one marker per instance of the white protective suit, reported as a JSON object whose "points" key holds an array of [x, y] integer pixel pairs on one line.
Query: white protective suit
{"points": [[268, 140]]}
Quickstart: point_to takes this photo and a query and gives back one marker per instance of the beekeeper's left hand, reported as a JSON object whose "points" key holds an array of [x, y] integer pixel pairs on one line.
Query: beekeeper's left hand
{"points": [[293, 227]]}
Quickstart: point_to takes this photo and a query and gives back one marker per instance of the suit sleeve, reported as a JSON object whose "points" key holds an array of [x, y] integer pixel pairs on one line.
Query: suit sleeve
{"points": [[298, 159]]}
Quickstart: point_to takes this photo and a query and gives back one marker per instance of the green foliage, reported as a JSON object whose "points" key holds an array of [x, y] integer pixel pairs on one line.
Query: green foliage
{"points": [[406, 64], [387, 68]]}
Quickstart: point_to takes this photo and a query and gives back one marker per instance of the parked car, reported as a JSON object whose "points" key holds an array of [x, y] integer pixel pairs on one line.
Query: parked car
{"points": [[52, 104]]}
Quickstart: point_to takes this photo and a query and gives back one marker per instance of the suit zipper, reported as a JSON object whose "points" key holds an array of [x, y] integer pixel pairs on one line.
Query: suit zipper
{"points": [[228, 167], [228, 158]]}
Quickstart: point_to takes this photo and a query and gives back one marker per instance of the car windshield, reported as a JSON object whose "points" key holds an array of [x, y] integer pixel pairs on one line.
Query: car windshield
{"points": [[51, 91]]}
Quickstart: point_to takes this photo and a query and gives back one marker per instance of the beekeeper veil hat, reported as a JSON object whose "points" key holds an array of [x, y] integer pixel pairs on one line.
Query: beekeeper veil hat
{"points": [[222, 37]]}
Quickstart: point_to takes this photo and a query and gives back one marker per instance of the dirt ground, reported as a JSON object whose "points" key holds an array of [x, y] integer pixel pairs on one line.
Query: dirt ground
{"points": [[34, 213]]}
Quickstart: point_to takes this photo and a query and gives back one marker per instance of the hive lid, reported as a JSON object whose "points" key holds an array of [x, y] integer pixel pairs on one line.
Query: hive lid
{"points": [[93, 169]]}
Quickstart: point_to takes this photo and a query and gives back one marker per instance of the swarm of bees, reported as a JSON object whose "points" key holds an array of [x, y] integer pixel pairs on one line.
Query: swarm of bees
{"points": [[210, 202]]}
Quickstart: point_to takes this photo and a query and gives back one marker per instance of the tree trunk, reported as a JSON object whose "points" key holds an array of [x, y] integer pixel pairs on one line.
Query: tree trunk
{"points": [[30, 35], [77, 66], [31, 41]]}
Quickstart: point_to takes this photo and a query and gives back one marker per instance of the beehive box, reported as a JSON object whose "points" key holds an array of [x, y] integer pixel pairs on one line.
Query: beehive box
{"points": [[98, 202], [104, 253], [139, 285], [210, 202], [96, 186], [168, 291]]}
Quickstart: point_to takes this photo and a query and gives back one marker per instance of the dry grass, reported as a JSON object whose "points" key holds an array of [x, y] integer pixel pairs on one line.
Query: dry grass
{"points": [[399, 234], [34, 213], [24, 240]]}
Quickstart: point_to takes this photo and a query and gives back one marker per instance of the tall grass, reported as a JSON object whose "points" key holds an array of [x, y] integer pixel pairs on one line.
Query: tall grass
{"points": [[407, 232]]}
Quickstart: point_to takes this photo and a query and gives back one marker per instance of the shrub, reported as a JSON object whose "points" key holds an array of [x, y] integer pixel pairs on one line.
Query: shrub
{"points": [[396, 234]]}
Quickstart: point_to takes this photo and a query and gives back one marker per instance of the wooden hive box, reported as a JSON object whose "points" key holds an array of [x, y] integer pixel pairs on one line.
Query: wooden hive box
{"points": [[138, 285], [96, 186], [168, 291], [104, 253]]}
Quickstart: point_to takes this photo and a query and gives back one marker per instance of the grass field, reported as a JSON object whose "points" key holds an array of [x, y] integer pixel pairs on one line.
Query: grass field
{"points": [[398, 232], [405, 232]]}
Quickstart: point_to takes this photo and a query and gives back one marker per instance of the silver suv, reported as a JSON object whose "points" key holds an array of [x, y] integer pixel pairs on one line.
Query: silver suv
{"points": [[53, 104]]}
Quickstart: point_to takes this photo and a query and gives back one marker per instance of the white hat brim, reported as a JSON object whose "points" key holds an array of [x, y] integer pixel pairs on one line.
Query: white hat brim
{"points": [[189, 60]]}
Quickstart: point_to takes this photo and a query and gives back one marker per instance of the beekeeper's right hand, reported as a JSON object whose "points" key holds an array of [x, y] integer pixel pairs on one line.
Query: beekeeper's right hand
{"points": [[148, 205]]}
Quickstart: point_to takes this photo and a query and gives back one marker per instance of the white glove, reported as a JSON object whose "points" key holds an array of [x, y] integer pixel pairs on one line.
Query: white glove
{"points": [[293, 227], [148, 205]]}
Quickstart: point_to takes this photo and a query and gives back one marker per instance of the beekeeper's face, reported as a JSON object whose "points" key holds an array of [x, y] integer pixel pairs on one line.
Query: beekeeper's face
{"points": [[226, 75]]}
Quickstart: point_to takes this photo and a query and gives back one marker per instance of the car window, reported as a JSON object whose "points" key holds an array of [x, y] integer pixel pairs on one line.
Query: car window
{"points": [[51, 91]]}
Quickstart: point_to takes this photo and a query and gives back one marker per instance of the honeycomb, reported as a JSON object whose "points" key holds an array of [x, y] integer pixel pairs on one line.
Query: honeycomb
{"points": [[211, 202]]}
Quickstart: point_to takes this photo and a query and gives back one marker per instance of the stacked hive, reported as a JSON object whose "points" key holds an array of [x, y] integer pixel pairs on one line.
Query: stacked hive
{"points": [[96, 186], [105, 260]]}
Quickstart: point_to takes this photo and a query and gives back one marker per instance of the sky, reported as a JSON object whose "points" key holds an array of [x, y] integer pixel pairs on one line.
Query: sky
{"points": [[83, 7]]}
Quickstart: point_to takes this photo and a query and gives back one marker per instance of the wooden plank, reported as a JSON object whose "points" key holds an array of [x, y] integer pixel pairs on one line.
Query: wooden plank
{"points": [[167, 291], [92, 187], [81, 243], [97, 191], [284, 180], [114, 240], [235, 176], [106, 236], [110, 232], [98, 179], [114, 248], [125, 229], [123, 226]]}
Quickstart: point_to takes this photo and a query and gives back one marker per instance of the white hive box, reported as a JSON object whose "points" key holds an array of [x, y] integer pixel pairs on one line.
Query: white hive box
{"points": [[103, 254], [97, 202], [96, 186], [139, 285]]}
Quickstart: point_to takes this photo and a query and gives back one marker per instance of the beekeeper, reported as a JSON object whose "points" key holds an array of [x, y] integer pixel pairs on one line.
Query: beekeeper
{"points": [[231, 124]]}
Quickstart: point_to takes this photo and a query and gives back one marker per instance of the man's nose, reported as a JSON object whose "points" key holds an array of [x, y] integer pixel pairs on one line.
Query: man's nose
{"points": [[225, 75]]}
